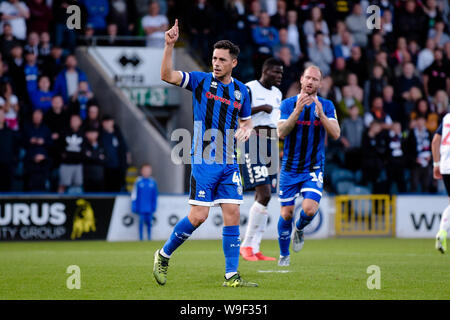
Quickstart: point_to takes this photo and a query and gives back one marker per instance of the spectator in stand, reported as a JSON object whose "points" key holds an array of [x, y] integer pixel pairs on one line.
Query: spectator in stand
{"points": [[123, 14], [71, 169], [41, 98], [343, 49], [411, 22], [93, 162], [93, 118], [375, 84], [283, 35], [395, 167], [407, 80], [16, 13], [377, 114], [440, 104], [8, 156], [377, 44], [413, 49], [375, 146], [57, 120], [381, 58], [327, 90], [432, 12], [401, 54], [269, 6], [200, 22], [237, 29], [117, 156], [10, 105], [293, 34], [410, 99], [351, 138], [32, 44], [447, 52], [419, 146], [154, 25], [426, 55], [66, 82], [112, 31], [16, 71], [96, 13], [438, 34], [348, 100], [336, 37], [41, 16], [64, 37], [45, 47], [3, 72], [437, 75], [320, 54], [387, 29], [54, 63], [36, 141], [81, 99], [265, 37], [357, 65], [422, 109], [357, 25], [7, 41], [290, 70], [31, 71], [340, 72], [280, 20], [392, 107], [253, 15], [352, 85], [314, 25]]}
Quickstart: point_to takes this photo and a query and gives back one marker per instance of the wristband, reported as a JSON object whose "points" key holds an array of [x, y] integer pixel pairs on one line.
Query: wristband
{"points": [[436, 164]]}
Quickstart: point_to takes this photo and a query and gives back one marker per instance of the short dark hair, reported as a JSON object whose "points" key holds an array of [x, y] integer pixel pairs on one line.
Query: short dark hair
{"points": [[270, 63], [228, 45]]}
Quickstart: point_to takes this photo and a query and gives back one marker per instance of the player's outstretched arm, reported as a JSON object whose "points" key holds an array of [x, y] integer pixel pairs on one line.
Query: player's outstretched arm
{"points": [[435, 151], [167, 73]]}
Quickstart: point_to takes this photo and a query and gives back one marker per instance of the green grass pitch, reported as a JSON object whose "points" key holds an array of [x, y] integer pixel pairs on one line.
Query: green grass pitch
{"points": [[324, 269]]}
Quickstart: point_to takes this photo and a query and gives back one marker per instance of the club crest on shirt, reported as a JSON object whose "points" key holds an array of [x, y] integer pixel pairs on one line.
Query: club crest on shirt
{"points": [[214, 84], [237, 95]]}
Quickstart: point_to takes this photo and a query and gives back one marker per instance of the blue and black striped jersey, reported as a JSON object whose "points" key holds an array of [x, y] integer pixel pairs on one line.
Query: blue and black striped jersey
{"points": [[304, 149], [216, 109]]}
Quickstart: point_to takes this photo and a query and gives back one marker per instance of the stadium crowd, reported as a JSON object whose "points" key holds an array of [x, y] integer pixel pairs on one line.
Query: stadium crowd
{"points": [[390, 85]]}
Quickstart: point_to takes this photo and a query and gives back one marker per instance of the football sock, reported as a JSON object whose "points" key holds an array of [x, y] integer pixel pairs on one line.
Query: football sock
{"points": [[284, 235], [230, 244], [255, 218], [263, 217], [445, 220], [182, 231], [304, 220]]}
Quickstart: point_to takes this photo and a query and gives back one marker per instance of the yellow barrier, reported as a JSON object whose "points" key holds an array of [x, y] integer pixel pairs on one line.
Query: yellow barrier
{"points": [[360, 215]]}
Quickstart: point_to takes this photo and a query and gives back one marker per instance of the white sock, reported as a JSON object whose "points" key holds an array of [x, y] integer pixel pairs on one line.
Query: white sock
{"points": [[228, 275], [263, 216], [165, 255], [445, 219], [254, 221]]}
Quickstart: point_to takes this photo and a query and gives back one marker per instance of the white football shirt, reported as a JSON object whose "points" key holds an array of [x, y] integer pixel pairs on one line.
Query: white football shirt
{"points": [[445, 145], [261, 96]]}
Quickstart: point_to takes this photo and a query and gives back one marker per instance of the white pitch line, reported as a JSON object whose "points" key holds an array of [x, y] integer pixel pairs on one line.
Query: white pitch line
{"points": [[274, 271]]}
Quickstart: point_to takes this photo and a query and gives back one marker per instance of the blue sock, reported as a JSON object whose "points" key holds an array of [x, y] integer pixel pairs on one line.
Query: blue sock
{"points": [[141, 227], [231, 244], [284, 235], [304, 220], [182, 231]]}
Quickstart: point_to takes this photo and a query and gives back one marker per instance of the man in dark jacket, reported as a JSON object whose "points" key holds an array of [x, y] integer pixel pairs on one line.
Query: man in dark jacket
{"points": [[117, 156], [9, 146], [36, 140], [93, 162]]}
